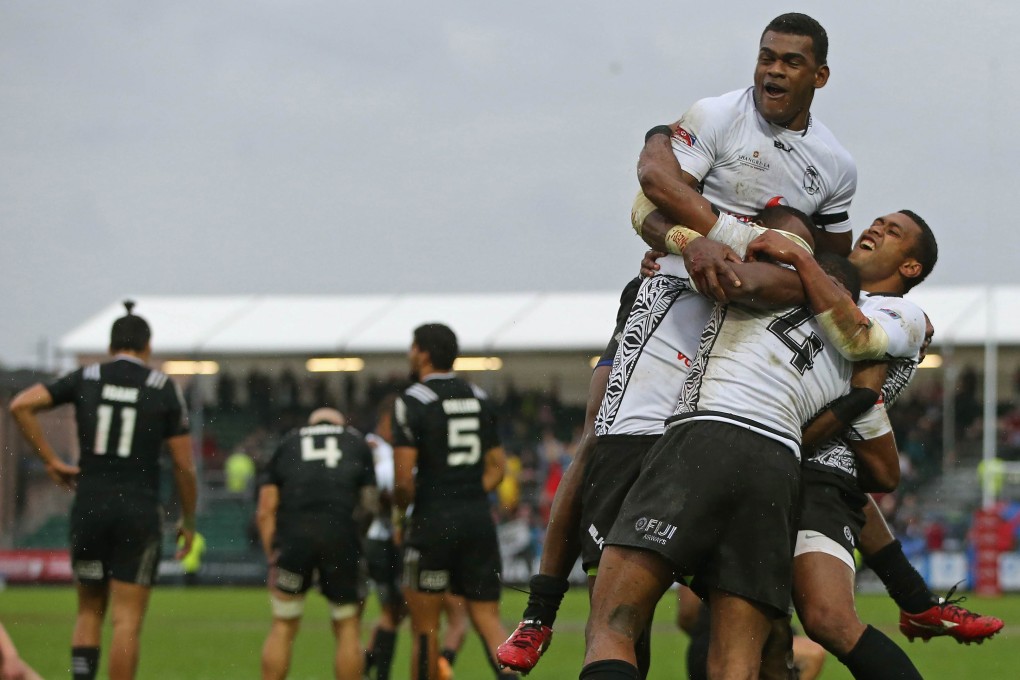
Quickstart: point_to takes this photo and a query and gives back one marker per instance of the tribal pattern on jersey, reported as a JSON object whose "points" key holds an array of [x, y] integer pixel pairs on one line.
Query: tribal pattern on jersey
{"points": [[653, 301], [834, 454], [691, 390]]}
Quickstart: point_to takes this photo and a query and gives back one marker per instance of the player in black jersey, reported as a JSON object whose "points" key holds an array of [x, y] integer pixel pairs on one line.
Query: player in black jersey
{"points": [[124, 412], [446, 428], [316, 495]]}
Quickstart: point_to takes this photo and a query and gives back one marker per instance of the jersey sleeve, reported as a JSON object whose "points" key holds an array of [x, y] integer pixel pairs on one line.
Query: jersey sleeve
{"points": [[177, 411], [904, 323], [627, 298], [700, 134], [488, 427], [405, 416], [834, 214], [64, 389], [270, 473], [367, 477]]}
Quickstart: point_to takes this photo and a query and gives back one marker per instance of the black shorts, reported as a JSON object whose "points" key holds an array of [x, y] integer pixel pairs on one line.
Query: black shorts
{"points": [[717, 501], [832, 507], [455, 550], [116, 536], [308, 545], [382, 558], [612, 467]]}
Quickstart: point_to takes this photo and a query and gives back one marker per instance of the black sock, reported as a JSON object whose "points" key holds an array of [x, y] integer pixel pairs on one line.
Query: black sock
{"points": [[904, 584], [610, 669], [876, 657], [450, 655], [544, 599], [382, 653], [84, 663]]}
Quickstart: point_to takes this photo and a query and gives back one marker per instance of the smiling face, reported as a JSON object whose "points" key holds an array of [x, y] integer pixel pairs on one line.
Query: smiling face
{"points": [[785, 79], [884, 253]]}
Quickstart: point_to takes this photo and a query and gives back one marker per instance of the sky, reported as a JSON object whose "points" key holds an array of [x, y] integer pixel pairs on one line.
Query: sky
{"points": [[339, 147]]}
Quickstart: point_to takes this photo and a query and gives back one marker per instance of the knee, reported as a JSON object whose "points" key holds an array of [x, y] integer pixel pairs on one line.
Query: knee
{"points": [[835, 627]]}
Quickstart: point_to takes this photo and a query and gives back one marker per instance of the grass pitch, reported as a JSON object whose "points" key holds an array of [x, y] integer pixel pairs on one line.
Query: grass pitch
{"points": [[218, 633]]}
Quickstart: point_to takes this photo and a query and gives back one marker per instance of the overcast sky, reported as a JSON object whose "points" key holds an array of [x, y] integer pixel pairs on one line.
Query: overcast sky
{"points": [[342, 147]]}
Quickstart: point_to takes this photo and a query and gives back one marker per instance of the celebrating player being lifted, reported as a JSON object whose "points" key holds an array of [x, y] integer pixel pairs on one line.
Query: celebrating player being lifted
{"points": [[319, 479], [447, 458], [124, 411]]}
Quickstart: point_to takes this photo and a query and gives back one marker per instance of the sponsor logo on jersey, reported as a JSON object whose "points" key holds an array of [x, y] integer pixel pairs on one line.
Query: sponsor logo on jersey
{"points": [[812, 180], [776, 200], [685, 137], [594, 533], [779, 145], [655, 530], [684, 359], [89, 569], [433, 580], [753, 161], [890, 312], [288, 581]]}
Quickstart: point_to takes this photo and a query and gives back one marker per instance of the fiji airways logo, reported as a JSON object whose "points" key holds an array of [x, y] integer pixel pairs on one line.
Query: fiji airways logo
{"points": [[684, 359], [655, 530]]}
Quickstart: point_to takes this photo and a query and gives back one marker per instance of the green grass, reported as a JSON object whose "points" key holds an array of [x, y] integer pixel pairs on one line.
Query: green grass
{"points": [[218, 633]]}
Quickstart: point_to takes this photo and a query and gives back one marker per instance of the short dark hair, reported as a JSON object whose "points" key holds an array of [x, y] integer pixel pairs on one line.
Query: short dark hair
{"points": [[843, 270], [795, 23], [775, 217], [440, 342], [130, 332], [926, 250]]}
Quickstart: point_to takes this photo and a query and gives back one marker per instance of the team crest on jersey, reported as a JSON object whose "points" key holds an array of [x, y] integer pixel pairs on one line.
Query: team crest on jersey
{"points": [[812, 180], [685, 137]]}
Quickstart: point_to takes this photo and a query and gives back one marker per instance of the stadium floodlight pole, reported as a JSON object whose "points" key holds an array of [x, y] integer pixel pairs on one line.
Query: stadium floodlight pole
{"points": [[988, 481], [950, 372]]}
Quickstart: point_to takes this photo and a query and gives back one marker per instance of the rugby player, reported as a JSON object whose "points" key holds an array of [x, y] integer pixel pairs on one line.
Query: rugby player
{"points": [[124, 412], [447, 458], [318, 479], [381, 552], [764, 140]]}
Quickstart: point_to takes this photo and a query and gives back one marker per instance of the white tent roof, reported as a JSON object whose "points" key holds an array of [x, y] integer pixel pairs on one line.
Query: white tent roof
{"points": [[484, 322]]}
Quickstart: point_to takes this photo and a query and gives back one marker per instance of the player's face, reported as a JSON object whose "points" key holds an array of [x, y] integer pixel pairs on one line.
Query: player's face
{"points": [[886, 246], [414, 357], [785, 79]]}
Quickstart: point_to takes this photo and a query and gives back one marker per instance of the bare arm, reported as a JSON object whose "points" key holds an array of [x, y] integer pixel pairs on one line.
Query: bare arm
{"points": [[404, 460], [187, 489], [265, 516], [878, 463], [869, 375], [495, 467], [670, 188], [854, 334], [12, 667], [24, 408]]}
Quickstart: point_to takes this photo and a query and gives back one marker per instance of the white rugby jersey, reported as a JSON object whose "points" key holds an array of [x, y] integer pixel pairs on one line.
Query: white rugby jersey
{"points": [[381, 528], [768, 371], [746, 163], [656, 348], [904, 322]]}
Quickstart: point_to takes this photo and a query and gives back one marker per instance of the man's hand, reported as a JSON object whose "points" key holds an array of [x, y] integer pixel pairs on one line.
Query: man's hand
{"points": [[63, 474], [185, 537], [649, 266], [708, 263], [774, 247]]}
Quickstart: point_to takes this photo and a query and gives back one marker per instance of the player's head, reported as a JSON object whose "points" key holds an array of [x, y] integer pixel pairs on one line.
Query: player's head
{"points": [[788, 219], [130, 333], [327, 415], [842, 271], [792, 64], [896, 252], [434, 346]]}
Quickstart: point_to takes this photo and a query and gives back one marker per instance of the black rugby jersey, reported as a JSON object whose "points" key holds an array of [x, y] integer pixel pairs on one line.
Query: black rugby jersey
{"points": [[124, 410], [320, 469], [452, 424]]}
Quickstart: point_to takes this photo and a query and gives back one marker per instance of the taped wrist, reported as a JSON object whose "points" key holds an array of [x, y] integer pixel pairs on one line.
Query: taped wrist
{"points": [[640, 211], [854, 403], [854, 341], [678, 238]]}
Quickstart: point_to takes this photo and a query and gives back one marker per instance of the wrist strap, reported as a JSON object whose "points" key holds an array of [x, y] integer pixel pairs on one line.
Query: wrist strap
{"points": [[678, 238], [659, 130]]}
